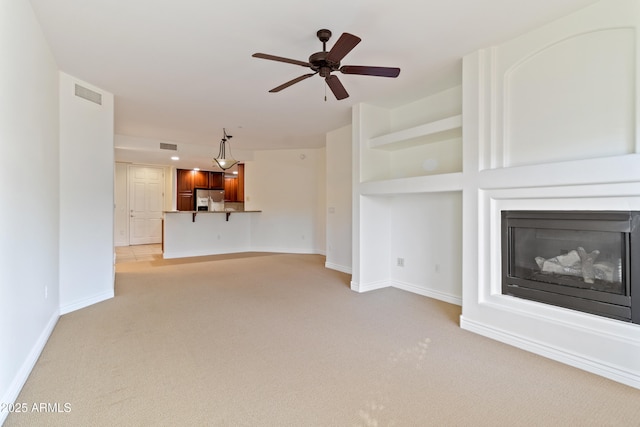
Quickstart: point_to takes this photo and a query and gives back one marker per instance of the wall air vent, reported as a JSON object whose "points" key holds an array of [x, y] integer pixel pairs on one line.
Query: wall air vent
{"points": [[165, 146], [88, 94]]}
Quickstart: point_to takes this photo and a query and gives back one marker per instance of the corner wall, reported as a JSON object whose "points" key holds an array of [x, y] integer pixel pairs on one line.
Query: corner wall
{"points": [[87, 261], [121, 202], [29, 171], [288, 186], [339, 227]]}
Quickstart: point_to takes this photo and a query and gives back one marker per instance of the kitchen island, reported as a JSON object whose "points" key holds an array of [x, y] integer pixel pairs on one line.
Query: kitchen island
{"points": [[199, 233]]}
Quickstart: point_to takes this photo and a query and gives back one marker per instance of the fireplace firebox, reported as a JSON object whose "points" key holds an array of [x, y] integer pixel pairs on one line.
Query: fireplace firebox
{"points": [[582, 260]]}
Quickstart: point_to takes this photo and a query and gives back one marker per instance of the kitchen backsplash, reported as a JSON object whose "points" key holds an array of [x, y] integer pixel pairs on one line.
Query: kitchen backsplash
{"points": [[237, 206]]}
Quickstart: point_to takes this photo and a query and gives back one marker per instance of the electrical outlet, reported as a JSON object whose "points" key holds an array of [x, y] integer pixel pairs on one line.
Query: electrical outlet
{"points": [[400, 262]]}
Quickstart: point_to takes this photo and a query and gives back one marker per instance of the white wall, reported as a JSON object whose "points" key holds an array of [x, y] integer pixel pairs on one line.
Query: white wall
{"points": [[121, 200], [338, 241], [429, 109], [86, 197], [423, 229], [29, 171], [550, 123], [426, 234], [288, 187]]}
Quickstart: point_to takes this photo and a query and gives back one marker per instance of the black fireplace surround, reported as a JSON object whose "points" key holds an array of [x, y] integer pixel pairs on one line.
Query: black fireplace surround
{"points": [[582, 260]]}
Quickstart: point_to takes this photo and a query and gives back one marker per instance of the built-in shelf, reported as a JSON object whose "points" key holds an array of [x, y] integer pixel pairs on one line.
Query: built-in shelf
{"points": [[413, 185], [440, 130]]}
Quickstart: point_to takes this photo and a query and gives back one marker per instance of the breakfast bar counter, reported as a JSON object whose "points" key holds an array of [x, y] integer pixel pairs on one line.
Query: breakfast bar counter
{"points": [[199, 233]]}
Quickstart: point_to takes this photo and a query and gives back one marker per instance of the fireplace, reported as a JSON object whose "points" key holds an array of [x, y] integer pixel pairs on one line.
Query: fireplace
{"points": [[580, 260]]}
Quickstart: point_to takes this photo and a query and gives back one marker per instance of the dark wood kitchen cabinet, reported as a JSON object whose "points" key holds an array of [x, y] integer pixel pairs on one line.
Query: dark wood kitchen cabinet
{"points": [[200, 179], [234, 186], [184, 202], [231, 189], [185, 180], [184, 196], [216, 180], [188, 180]]}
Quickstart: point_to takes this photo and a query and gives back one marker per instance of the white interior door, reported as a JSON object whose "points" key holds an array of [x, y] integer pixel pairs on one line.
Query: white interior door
{"points": [[146, 199]]}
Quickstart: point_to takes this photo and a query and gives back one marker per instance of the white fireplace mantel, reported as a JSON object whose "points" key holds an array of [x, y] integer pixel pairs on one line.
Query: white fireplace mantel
{"points": [[535, 139]]}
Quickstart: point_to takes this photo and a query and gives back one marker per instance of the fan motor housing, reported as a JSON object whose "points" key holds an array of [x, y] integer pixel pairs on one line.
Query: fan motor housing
{"points": [[319, 63]]}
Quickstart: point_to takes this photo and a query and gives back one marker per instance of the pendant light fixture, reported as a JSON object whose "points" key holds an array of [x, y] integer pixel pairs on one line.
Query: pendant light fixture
{"points": [[225, 160]]}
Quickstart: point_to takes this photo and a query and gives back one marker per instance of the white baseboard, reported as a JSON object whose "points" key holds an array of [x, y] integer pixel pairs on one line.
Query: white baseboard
{"points": [[360, 287], [431, 293], [20, 378], [338, 267], [189, 254], [569, 358], [276, 250], [78, 304], [168, 254]]}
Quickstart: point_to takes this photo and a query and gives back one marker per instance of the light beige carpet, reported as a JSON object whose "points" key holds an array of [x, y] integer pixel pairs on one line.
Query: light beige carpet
{"points": [[279, 340]]}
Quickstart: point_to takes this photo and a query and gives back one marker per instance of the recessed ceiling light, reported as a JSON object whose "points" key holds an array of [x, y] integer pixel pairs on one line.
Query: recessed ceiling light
{"points": [[196, 169], [175, 158]]}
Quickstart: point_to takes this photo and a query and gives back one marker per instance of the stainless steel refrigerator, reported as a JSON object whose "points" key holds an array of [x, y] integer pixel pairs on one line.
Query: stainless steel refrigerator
{"points": [[208, 200]]}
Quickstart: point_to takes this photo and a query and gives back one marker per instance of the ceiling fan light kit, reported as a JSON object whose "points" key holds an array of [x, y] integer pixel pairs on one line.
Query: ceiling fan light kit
{"points": [[324, 63], [223, 160]]}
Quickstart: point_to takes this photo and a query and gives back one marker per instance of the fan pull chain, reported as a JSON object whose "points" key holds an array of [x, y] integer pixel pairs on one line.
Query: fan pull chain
{"points": [[325, 92]]}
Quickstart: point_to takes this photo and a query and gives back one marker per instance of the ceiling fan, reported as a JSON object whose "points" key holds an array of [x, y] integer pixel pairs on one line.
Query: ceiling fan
{"points": [[324, 63]]}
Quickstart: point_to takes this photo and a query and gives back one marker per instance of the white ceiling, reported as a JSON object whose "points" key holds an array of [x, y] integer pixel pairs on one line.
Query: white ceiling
{"points": [[181, 70]]}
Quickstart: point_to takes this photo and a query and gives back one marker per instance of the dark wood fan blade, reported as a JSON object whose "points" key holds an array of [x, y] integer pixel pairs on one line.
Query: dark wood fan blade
{"points": [[281, 59], [291, 82], [336, 87], [370, 71], [344, 45]]}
